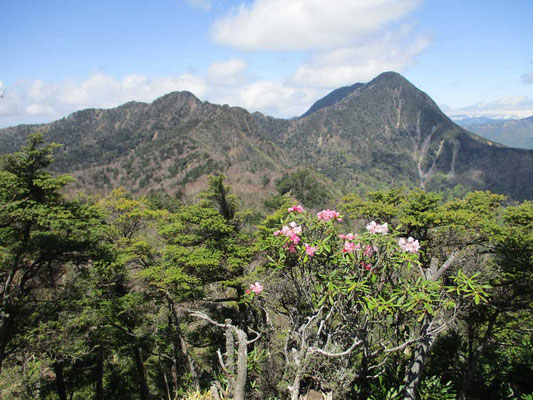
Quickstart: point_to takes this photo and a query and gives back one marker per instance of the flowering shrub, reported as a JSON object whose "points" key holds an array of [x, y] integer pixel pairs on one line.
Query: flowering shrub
{"points": [[364, 292]]}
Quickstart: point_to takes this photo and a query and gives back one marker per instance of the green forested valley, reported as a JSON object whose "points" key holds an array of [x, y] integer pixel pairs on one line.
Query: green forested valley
{"points": [[317, 293]]}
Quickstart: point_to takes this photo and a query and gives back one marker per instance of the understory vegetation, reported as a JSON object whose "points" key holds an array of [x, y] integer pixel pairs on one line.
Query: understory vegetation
{"points": [[396, 294]]}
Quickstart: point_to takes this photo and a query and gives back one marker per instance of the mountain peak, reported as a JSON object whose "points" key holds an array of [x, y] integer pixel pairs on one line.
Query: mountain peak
{"points": [[183, 95], [332, 98], [388, 77]]}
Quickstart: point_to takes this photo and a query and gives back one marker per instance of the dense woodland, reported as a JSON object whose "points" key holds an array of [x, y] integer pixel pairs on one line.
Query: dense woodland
{"points": [[398, 294]]}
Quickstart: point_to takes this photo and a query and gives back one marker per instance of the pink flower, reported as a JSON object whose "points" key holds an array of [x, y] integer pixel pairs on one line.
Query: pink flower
{"points": [[292, 249], [295, 209], [376, 228], [326, 215], [257, 288], [349, 247], [349, 236], [286, 231], [310, 250], [247, 291], [290, 230], [410, 245], [295, 229], [295, 238], [368, 251]]}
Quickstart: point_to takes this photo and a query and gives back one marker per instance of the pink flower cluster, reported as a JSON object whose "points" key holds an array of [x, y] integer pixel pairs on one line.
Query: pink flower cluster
{"points": [[410, 245], [292, 231], [376, 228], [256, 287], [350, 247], [326, 215], [310, 250], [295, 209]]}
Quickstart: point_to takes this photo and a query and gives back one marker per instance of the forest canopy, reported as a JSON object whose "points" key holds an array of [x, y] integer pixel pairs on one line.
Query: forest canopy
{"points": [[391, 294]]}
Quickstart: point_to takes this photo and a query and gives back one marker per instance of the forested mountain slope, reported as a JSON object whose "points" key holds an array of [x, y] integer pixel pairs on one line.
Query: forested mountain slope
{"points": [[374, 135], [388, 132]]}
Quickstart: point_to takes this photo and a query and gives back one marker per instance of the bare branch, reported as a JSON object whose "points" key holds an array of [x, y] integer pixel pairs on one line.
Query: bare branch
{"points": [[447, 264], [258, 336], [403, 345], [201, 315], [330, 354], [221, 362]]}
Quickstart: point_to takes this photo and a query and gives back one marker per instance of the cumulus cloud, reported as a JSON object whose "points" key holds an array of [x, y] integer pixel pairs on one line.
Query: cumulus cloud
{"points": [[29, 98], [392, 51], [201, 4], [347, 40], [279, 99], [229, 72], [306, 24], [527, 78], [504, 107], [34, 100]]}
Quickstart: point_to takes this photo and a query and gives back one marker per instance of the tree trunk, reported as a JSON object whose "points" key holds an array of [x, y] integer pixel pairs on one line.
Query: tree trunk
{"points": [[192, 366], [415, 369], [184, 347], [141, 374], [474, 356], [230, 356], [242, 365], [5, 320], [295, 388], [3, 345], [99, 376], [60, 381]]}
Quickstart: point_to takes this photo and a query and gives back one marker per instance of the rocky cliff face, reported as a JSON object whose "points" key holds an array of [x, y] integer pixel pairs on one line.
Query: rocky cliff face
{"points": [[385, 132]]}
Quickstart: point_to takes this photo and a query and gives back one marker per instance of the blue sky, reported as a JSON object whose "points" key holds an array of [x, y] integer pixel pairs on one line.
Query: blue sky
{"points": [[274, 56]]}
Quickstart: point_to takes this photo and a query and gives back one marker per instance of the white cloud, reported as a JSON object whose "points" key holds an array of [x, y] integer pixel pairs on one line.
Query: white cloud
{"points": [[39, 109], [52, 100], [347, 41], [229, 72], [504, 107], [392, 51], [201, 4], [307, 24], [527, 78], [269, 97]]}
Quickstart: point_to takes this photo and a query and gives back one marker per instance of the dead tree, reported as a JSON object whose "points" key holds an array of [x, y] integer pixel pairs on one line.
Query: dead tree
{"points": [[236, 379]]}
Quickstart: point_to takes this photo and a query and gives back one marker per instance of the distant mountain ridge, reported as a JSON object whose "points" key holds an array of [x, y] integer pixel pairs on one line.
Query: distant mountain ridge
{"points": [[374, 135], [510, 132]]}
